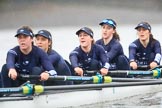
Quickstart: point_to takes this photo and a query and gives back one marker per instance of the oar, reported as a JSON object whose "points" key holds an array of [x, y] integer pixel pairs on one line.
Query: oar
{"points": [[11, 90], [94, 79], [15, 98], [105, 85], [143, 67], [26, 89], [147, 67], [156, 73], [37, 89]]}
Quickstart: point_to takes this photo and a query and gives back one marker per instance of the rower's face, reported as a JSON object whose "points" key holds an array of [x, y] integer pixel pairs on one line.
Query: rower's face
{"points": [[42, 42], [143, 33], [107, 31], [25, 42], [85, 39]]}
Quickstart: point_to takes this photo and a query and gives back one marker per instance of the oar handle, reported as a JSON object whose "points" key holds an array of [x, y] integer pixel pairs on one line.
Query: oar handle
{"points": [[143, 67], [26, 76], [147, 67], [94, 79]]}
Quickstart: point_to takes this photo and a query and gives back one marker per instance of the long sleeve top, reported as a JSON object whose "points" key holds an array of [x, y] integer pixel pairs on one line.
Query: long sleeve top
{"points": [[25, 63], [145, 55], [79, 58]]}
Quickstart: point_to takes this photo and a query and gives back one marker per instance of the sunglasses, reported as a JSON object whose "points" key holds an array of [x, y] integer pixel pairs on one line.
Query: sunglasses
{"points": [[108, 21]]}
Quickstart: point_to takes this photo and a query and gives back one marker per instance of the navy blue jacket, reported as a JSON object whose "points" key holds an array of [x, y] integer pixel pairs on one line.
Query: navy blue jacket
{"points": [[142, 55], [113, 49], [25, 63], [79, 58]]}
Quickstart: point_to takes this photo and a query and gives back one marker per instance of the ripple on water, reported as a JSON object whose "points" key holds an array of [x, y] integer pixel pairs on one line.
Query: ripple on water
{"points": [[153, 100]]}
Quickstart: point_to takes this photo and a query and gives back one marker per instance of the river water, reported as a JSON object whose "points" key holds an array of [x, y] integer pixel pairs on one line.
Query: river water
{"points": [[140, 101], [64, 20]]}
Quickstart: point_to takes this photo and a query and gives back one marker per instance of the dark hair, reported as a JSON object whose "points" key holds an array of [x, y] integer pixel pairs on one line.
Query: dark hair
{"points": [[50, 46], [50, 40], [116, 35], [152, 39], [151, 36]]}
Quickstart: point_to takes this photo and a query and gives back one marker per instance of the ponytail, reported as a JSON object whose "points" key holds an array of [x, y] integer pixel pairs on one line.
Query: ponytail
{"points": [[49, 47], [152, 39], [116, 36]]}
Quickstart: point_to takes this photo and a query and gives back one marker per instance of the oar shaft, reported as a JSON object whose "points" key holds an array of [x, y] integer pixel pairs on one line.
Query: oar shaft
{"points": [[11, 90], [61, 78], [105, 79], [78, 78], [70, 78], [107, 85], [3, 99], [131, 80], [41, 89], [131, 72], [143, 67], [156, 73], [26, 89]]}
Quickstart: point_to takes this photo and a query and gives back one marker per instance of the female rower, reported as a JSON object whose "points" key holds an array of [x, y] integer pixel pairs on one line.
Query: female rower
{"points": [[145, 50], [110, 42], [88, 56], [25, 59], [44, 41]]}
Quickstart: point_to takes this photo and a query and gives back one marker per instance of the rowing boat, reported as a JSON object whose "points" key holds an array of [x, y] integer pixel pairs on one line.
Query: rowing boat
{"points": [[77, 95], [67, 98]]}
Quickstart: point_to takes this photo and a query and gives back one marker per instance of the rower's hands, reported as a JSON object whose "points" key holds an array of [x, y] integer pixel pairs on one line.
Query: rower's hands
{"points": [[44, 76], [104, 71], [153, 65], [78, 71], [133, 65], [12, 74]]}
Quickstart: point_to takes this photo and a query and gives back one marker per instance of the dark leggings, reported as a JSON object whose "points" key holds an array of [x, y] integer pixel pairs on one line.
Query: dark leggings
{"points": [[120, 63], [8, 82], [123, 63], [62, 69]]}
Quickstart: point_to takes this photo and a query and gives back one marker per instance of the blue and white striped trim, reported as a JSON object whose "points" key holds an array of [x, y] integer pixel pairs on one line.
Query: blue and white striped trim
{"points": [[74, 52], [12, 52], [157, 58], [52, 72], [133, 45], [107, 65]]}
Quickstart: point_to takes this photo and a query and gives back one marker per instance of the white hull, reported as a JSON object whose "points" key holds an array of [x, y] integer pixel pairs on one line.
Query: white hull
{"points": [[78, 98]]}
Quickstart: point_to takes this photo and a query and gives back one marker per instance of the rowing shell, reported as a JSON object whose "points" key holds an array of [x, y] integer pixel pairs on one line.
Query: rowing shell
{"points": [[76, 95]]}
